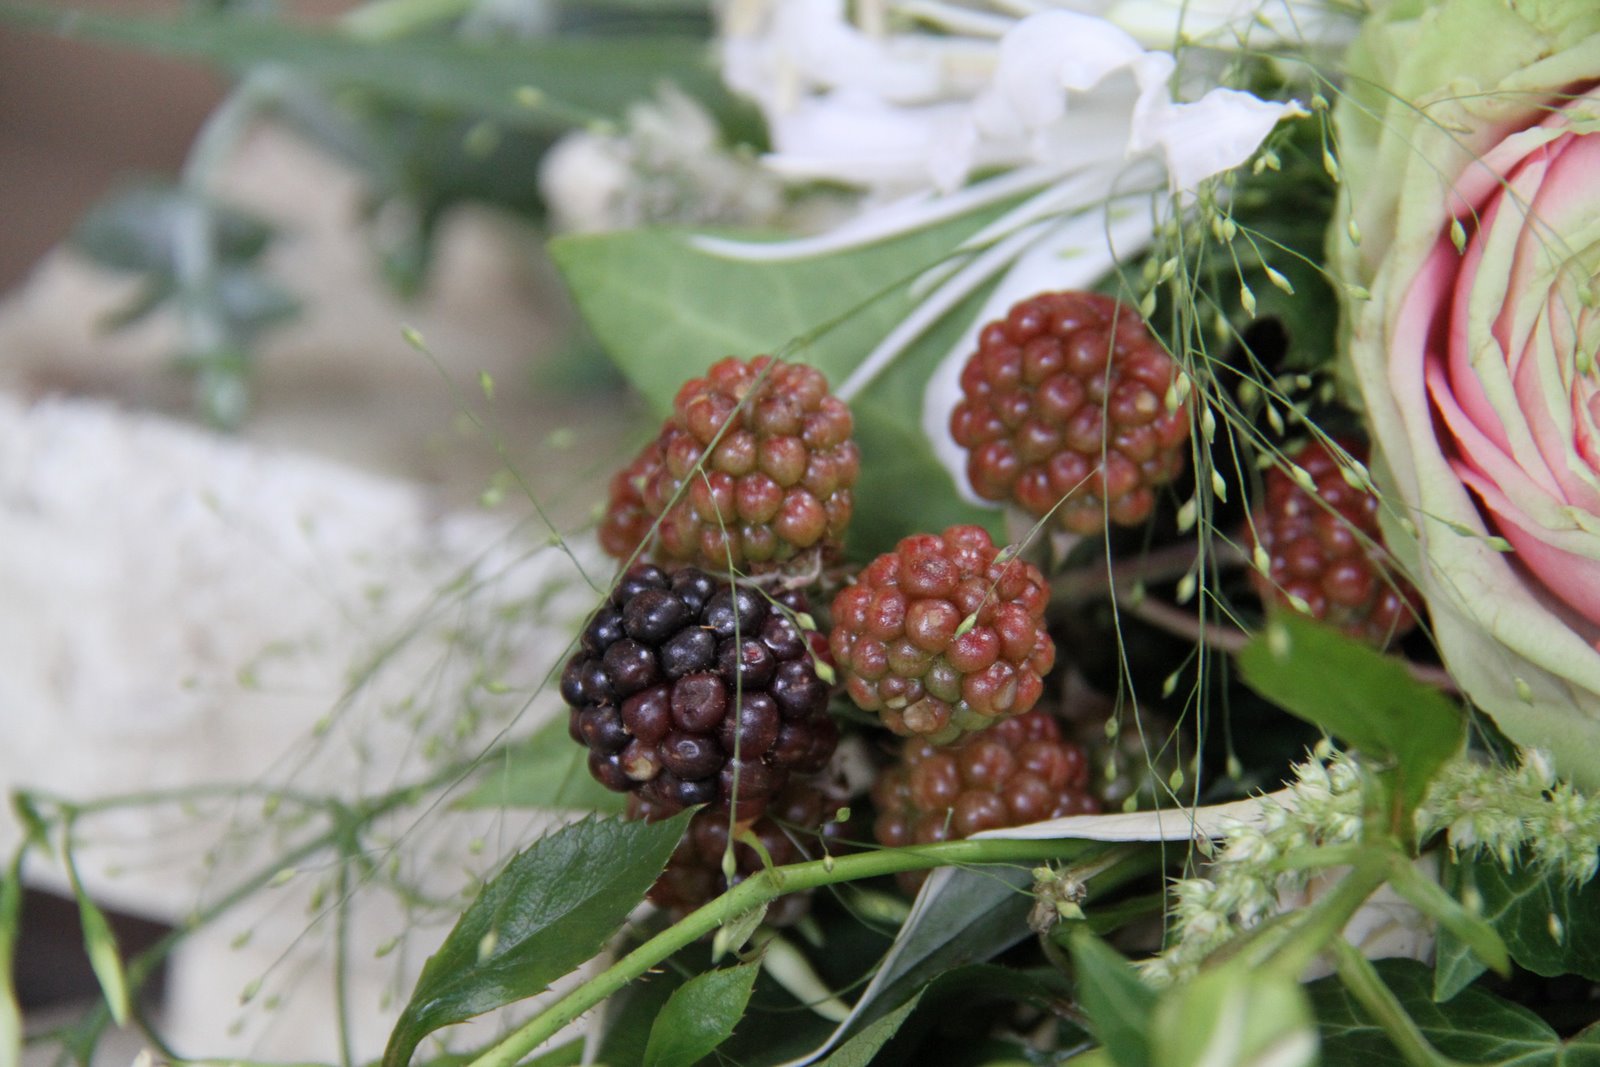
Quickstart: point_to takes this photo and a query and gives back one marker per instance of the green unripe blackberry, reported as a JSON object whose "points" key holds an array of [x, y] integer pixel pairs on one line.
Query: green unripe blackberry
{"points": [[1325, 550], [755, 466], [944, 635], [1064, 412], [692, 690]]}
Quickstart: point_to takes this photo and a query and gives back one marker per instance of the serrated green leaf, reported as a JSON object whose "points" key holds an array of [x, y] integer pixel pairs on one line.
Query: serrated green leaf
{"points": [[860, 1049], [699, 1016], [1518, 905], [666, 310], [1475, 1027], [550, 909], [1364, 698], [548, 771], [546, 83], [1119, 1005]]}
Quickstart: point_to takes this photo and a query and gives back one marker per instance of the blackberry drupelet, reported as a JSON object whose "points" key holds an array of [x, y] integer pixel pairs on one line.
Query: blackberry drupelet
{"points": [[690, 690], [1018, 772], [755, 466], [797, 826], [1326, 550], [1064, 403], [943, 636]]}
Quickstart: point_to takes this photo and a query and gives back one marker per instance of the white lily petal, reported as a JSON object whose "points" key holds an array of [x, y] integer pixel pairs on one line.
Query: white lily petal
{"points": [[1216, 133], [887, 221], [1040, 57], [852, 136]]}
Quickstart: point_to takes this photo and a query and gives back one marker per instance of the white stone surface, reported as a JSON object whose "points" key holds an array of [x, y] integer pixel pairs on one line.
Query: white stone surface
{"points": [[178, 610]]}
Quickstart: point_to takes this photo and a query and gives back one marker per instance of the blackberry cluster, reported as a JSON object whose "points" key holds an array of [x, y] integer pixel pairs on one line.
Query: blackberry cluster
{"points": [[1018, 772], [690, 690], [798, 818], [943, 636], [1064, 402], [1326, 550], [755, 466]]}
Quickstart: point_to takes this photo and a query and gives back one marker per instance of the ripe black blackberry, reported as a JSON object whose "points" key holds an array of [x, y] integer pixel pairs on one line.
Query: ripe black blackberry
{"points": [[1064, 403], [797, 826], [690, 690], [755, 466], [1325, 550], [1020, 771], [943, 636]]}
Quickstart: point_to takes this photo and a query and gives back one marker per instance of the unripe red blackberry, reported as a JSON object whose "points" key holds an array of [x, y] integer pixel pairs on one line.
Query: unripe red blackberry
{"points": [[690, 690], [944, 635], [1019, 772], [755, 466], [798, 821], [627, 519], [1325, 550], [1064, 403]]}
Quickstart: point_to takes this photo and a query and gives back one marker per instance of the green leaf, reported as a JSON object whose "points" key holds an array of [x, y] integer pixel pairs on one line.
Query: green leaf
{"points": [[666, 310], [1475, 1027], [699, 1016], [551, 909], [552, 82], [860, 1049], [10, 923], [1235, 1014], [1119, 1005], [1366, 699], [1550, 926], [548, 771], [105, 958], [138, 229]]}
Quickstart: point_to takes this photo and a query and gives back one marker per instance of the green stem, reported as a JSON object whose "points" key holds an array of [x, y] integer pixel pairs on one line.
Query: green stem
{"points": [[1364, 983], [10, 918], [1323, 922], [386, 20], [752, 893]]}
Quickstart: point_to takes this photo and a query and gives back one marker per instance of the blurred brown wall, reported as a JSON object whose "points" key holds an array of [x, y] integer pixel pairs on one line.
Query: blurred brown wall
{"points": [[75, 117]]}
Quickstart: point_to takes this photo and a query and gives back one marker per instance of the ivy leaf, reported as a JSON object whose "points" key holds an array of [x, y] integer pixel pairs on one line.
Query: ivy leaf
{"points": [[547, 771], [1474, 1028], [1366, 699], [1119, 1005], [1236, 1014], [1550, 926], [699, 1016], [666, 310], [551, 909]]}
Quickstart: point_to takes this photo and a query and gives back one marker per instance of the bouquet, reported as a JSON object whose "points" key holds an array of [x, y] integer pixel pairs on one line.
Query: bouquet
{"points": [[1108, 574]]}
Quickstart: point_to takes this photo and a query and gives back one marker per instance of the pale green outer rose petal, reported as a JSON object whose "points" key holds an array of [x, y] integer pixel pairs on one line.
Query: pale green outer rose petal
{"points": [[1435, 88]]}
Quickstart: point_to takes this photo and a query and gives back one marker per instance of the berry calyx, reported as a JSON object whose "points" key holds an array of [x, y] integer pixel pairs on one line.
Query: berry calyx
{"points": [[1064, 411], [755, 466], [1019, 772], [690, 690], [944, 635], [1324, 549]]}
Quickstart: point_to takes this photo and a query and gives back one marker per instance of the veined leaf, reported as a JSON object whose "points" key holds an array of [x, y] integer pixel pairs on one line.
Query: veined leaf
{"points": [[859, 1050], [699, 1016], [550, 910], [1474, 1028], [1366, 699], [554, 82], [1550, 926]]}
